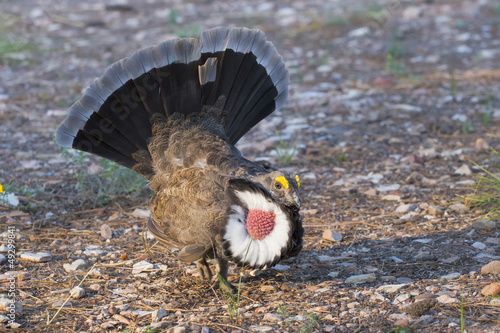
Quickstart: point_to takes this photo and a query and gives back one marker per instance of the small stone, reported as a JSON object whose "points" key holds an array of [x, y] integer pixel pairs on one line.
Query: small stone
{"points": [[157, 315], [492, 289], [361, 278], [403, 280], [449, 260], [428, 182], [407, 108], [396, 259], [402, 322], [2, 259], [451, 276], [434, 210], [268, 289], [179, 329], [77, 292], [391, 288], [464, 170], [59, 303], [483, 224], [106, 231], [332, 235], [479, 245], [481, 145], [491, 268], [4, 248], [492, 240], [419, 308], [261, 328], [95, 287], [353, 305], [141, 267], [359, 32], [271, 317], [75, 266], [333, 274], [93, 253], [6, 306], [405, 208], [445, 299], [459, 207], [140, 213], [412, 12], [37, 257], [281, 268], [391, 197]]}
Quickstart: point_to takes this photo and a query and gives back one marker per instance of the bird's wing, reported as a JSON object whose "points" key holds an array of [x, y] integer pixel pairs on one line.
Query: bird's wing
{"points": [[190, 211]]}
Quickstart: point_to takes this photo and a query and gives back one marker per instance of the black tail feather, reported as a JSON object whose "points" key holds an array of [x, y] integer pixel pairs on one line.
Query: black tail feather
{"points": [[113, 118]]}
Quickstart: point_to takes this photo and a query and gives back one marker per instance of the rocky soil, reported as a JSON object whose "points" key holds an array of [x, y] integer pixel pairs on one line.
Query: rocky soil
{"points": [[390, 104]]}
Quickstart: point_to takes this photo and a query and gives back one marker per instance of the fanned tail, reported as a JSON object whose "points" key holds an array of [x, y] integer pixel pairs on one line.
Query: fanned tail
{"points": [[113, 119]]}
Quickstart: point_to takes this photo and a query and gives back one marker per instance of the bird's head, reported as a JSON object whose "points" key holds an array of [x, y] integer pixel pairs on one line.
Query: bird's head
{"points": [[283, 188]]}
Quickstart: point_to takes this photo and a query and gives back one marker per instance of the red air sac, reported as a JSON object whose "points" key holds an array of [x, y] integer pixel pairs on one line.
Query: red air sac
{"points": [[260, 223]]}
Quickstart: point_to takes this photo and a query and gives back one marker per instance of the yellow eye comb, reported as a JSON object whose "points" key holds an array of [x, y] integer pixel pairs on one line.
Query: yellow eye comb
{"points": [[283, 181]]}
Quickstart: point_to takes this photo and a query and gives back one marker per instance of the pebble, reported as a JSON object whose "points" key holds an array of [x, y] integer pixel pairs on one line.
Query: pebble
{"points": [[333, 274], [391, 288], [281, 268], [4, 248], [37, 257], [60, 302], [106, 231], [484, 224], [272, 317], [434, 210], [391, 197], [140, 213], [93, 253], [159, 326], [179, 329], [407, 108], [492, 240], [454, 275], [361, 278], [492, 289], [491, 268], [5, 304], [332, 235], [77, 292], [2, 259], [76, 266], [403, 280], [261, 328], [405, 208], [481, 145], [411, 13], [158, 314], [459, 207], [402, 323], [479, 245], [464, 170], [141, 267], [445, 299]]}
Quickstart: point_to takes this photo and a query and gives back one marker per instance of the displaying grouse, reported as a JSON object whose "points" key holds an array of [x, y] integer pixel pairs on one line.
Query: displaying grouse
{"points": [[173, 113]]}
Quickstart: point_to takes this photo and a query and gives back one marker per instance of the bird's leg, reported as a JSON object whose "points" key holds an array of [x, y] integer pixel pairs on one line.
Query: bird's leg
{"points": [[203, 269], [222, 267]]}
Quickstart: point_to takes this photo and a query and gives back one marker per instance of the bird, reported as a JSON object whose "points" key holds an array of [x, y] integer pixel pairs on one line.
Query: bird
{"points": [[173, 113]]}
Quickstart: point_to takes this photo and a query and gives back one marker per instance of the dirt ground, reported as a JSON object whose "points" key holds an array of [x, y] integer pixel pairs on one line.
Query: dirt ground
{"points": [[390, 104]]}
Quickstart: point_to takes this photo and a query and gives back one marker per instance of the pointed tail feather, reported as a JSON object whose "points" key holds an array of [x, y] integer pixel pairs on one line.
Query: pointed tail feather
{"points": [[113, 119]]}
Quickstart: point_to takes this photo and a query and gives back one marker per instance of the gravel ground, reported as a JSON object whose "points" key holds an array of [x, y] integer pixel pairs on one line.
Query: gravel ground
{"points": [[390, 102]]}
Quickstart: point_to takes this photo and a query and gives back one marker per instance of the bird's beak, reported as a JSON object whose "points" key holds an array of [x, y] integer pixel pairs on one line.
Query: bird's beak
{"points": [[295, 199]]}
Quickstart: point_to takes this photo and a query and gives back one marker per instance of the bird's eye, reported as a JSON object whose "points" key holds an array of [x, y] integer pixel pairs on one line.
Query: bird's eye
{"points": [[278, 185]]}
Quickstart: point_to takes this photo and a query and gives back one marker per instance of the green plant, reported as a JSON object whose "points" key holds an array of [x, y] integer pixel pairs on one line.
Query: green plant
{"points": [[487, 192], [109, 180], [395, 66], [28, 193], [232, 301], [12, 45], [462, 311], [467, 127], [285, 151], [400, 329], [342, 157], [283, 312], [394, 62], [310, 323]]}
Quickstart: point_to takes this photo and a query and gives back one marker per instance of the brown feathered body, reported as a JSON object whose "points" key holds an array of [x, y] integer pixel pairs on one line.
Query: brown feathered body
{"points": [[173, 113]]}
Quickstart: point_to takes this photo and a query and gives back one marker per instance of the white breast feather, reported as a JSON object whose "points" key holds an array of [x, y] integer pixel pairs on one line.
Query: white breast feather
{"points": [[261, 251]]}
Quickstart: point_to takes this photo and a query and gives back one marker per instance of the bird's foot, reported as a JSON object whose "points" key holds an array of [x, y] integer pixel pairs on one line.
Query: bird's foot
{"points": [[218, 282]]}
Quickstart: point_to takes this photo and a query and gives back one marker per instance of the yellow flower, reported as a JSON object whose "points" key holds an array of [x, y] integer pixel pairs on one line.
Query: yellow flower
{"points": [[1, 188]]}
